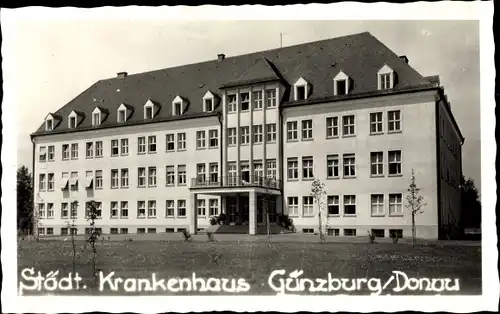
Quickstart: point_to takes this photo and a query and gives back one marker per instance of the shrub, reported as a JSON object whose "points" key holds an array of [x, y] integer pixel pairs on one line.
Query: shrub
{"points": [[371, 236], [285, 221], [210, 236], [394, 238], [186, 235]]}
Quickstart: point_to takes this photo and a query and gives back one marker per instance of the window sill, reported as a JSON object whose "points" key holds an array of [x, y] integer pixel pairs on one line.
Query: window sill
{"points": [[307, 216], [182, 184], [231, 145], [394, 132], [170, 151], [124, 187], [89, 157], [123, 154], [292, 141], [243, 111], [123, 217], [348, 135], [170, 217], [257, 109], [396, 215], [377, 133], [395, 175], [332, 178], [377, 215], [244, 144], [213, 147], [377, 176], [151, 217], [141, 153], [201, 148], [334, 216], [349, 177], [350, 215], [308, 179], [271, 142], [151, 186], [181, 217], [65, 159], [170, 185], [151, 153], [181, 150], [307, 139], [113, 217], [293, 180], [332, 137], [141, 186], [141, 217]]}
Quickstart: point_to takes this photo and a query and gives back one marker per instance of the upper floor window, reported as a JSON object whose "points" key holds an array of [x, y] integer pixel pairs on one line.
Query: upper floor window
{"points": [[181, 141], [271, 132], [348, 125], [291, 131], [257, 99], [231, 103], [332, 127], [245, 135], [376, 123], [395, 162], [141, 145], [213, 138], [385, 78], [257, 134], [307, 130], [51, 153], [152, 144], [307, 168], [169, 142], [301, 89], [245, 101], [341, 84], [394, 121], [201, 139], [231, 136], [271, 98], [43, 154]]}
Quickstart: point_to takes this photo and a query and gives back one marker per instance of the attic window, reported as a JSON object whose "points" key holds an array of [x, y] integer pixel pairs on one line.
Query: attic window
{"points": [[177, 108], [341, 87], [385, 78], [96, 118], [72, 122], [209, 105], [301, 89], [122, 115], [148, 112], [341, 84], [49, 125]]}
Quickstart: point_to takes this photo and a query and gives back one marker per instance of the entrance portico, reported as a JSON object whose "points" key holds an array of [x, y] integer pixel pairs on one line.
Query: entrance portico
{"points": [[240, 204]]}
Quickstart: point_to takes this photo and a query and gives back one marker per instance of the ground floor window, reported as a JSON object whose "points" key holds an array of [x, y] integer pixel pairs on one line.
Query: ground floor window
{"points": [[350, 232], [41, 231], [141, 230], [64, 231], [307, 230], [333, 232], [113, 231], [398, 233], [123, 230], [151, 230], [50, 231], [379, 233], [169, 230], [181, 229]]}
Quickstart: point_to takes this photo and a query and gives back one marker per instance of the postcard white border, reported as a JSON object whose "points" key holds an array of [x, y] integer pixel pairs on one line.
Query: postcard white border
{"points": [[482, 11]]}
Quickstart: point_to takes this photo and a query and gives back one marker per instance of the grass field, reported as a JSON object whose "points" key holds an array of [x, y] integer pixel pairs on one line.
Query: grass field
{"points": [[255, 261]]}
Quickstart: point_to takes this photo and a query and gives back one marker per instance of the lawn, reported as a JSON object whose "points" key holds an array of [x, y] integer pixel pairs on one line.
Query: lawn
{"points": [[255, 261]]}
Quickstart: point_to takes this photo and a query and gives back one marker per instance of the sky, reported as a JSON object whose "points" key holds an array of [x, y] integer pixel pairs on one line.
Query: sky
{"points": [[49, 62]]}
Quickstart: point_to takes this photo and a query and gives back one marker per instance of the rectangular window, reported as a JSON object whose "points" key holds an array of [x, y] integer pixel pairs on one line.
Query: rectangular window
{"points": [[98, 209], [181, 174], [245, 101], [232, 173], [257, 99], [151, 176], [114, 178], [395, 162], [50, 210], [376, 123], [271, 98], [124, 209], [213, 138], [74, 210], [170, 175], [341, 87], [350, 232], [209, 105], [98, 149], [124, 178], [377, 204], [41, 231], [72, 122], [293, 206], [43, 154], [291, 131], [332, 166], [333, 232], [348, 123], [51, 153], [114, 147], [142, 230], [50, 182], [349, 165], [74, 151], [170, 142], [201, 208], [301, 92], [350, 205], [398, 233], [178, 109], [113, 230], [96, 119], [394, 121], [271, 168], [141, 145], [141, 209], [307, 168], [271, 132], [64, 231], [308, 206], [201, 172], [169, 208], [181, 208], [257, 134], [122, 116], [377, 164], [114, 209], [258, 171], [293, 168], [151, 230], [124, 148], [89, 150], [74, 181], [41, 210], [42, 181], [385, 81], [307, 130], [181, 141], [148, 113], [333, 205], [98, 179], [141, 177], [396, 204], [231, 136], [151, 209], [231, 103], [213, 207], [214, 172], [152, 144], [200, 139], [245, 135], [65, 152], [332, 127], [64, 210]]}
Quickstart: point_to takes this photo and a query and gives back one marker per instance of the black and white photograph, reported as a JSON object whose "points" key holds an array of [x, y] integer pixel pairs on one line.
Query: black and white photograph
{"points": [[342, 153]]}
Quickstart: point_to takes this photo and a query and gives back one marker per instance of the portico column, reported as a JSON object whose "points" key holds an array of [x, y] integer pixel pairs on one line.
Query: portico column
{"points": [[252, 213], [193, 222]]}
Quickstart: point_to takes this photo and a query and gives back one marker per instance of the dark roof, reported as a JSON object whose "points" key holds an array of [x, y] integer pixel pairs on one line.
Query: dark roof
{"points": [[359, 55]]}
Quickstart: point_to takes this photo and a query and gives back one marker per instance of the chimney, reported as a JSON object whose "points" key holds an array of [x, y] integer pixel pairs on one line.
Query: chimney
{"points": [[121, 75], [404, 59], [221, 57]]}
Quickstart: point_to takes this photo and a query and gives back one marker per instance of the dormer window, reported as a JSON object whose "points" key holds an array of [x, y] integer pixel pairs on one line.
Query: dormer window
{"points": [[122, 116], [150, 110], [148, 113], [178, 106], [208, 102], [385, 78], [72, 122], [341, 84], [96, 119], [49, 125], [301, 89], [99, 115]]}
